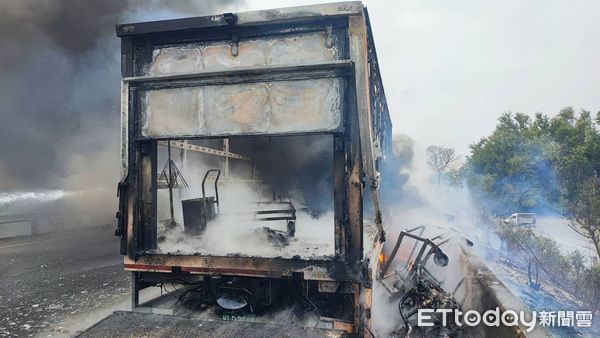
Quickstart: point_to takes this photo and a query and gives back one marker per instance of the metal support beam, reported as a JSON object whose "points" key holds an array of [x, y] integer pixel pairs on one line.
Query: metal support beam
{"points": [[226, 150], [135, 290], [358, 54], [206, 150], [170, 183]]}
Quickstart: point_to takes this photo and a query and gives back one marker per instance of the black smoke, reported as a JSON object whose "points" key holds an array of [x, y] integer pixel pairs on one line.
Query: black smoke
{"points": [[59, 89]]}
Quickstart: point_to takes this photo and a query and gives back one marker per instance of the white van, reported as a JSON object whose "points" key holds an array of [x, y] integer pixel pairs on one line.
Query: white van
{"points": [[521, 219]]}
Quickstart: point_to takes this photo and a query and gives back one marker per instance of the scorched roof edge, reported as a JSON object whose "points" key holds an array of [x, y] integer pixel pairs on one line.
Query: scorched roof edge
{"points": [[243, 18]]}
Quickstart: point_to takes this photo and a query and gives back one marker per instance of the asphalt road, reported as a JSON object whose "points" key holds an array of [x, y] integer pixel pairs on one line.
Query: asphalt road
{"points": [[558, 229], [55, 284]]}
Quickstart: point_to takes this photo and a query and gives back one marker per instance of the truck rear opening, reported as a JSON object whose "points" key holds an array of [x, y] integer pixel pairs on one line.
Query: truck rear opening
{"points": [[248, 140]]}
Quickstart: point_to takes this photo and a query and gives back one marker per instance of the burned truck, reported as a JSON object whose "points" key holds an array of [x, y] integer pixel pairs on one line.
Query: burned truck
{"points": [[251, 151]]}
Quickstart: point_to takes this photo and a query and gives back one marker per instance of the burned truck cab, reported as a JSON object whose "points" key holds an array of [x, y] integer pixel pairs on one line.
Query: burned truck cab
{"points": [[249, 142]]}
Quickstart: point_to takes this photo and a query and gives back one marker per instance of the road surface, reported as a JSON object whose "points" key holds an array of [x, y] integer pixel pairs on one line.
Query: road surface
{"points": [[558, 229], [57, 283]]}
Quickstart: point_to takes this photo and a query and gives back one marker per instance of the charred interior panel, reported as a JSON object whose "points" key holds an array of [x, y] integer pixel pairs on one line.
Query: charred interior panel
{"points": [[212, 56], [248, 108], [254, 204], [243, 162]]}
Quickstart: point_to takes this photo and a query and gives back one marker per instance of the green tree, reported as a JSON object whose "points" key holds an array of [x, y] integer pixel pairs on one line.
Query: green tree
{"points": [[539, 164], [512, 169], [578, 165]]}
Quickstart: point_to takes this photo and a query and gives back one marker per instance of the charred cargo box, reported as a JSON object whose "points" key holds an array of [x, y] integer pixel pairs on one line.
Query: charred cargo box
{"points": [[248, 140]]}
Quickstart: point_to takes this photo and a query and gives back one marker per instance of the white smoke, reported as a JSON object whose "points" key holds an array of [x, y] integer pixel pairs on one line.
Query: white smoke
{"points": [[31, 196], [235, 231], [418, 200]]}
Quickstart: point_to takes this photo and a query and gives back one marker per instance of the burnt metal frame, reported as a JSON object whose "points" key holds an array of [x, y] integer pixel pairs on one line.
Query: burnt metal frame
{"points": [[288, 214], [420, 262], [346, 163], [339, 70], [351, 33], [204, 200], [425, 242], [136, 48]]}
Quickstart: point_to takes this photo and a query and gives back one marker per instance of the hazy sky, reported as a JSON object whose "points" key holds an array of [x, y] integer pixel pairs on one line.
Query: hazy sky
{"points": [[450, 68]]}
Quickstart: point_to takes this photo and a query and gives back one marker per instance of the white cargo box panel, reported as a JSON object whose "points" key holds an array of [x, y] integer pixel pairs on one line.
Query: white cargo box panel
{"points": [[315, 47], [272, 107], [263, 107]]}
